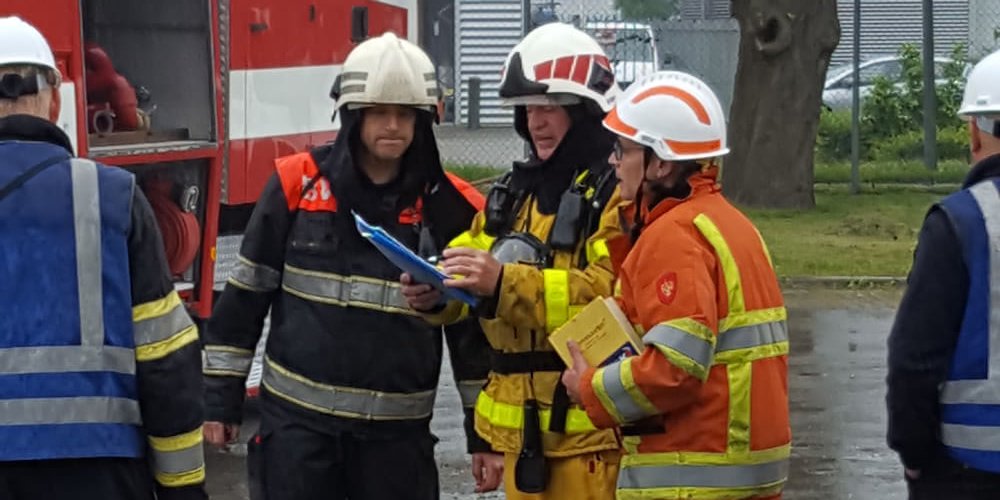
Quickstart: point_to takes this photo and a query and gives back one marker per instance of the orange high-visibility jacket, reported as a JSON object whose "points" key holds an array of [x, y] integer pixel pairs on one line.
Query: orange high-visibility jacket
{"points": [[713, 374]]}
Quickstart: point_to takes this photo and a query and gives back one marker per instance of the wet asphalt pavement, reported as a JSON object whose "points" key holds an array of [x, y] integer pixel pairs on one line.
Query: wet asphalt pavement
{"points": [[837, 386]]}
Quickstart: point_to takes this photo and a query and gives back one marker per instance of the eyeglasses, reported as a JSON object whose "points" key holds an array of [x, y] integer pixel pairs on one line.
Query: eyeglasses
{"points": [[619, 150]]}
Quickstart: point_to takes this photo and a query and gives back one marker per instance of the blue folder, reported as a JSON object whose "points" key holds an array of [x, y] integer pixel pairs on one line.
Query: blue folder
{"points": [[404, 258]]}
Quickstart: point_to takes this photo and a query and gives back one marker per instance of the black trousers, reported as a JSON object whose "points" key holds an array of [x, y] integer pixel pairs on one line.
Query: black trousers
{"points": [[78, 479], [297, 462], [950, 480]]}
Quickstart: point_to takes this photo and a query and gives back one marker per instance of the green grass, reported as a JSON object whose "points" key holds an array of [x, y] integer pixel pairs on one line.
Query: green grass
{"points": [[905, 172], [872, 234], [473, 173]]}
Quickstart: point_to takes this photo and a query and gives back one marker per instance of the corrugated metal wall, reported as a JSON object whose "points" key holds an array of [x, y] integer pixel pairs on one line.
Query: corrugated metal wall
{"points": [[701, 10], [888, 24], [487, 31]]}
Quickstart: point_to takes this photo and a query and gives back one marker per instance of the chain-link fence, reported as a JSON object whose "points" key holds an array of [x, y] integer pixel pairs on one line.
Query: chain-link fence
{"points": [[701, 37], [888, 53]]}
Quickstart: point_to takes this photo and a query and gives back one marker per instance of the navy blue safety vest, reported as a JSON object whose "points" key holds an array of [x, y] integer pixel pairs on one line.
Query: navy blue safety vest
{"points": [[67, 351], [970, 398]]}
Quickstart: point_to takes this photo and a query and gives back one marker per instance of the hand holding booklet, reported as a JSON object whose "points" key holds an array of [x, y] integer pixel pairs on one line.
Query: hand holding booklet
{"points": [[404, 258], [603, 331]]}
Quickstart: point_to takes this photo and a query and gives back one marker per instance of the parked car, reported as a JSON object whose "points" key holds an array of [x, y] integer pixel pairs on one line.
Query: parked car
{"points": [[837, 90], [631, 48]]}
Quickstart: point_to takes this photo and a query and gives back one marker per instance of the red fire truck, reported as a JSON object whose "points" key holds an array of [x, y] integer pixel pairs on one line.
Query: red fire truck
{"points": [[197, 98]]}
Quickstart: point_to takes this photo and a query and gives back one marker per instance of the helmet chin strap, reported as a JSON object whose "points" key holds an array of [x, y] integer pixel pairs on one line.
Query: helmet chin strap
{"points": [[637, 218]]}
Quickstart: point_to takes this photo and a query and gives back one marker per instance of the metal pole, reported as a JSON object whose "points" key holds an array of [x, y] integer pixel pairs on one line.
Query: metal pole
{"points": [[930, 92], [475, 94], [856, 104], [525, 29], [526, 15]]}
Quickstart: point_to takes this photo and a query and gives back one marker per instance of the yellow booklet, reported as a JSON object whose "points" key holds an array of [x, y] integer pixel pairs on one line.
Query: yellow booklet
{"points": [[603, 331]]}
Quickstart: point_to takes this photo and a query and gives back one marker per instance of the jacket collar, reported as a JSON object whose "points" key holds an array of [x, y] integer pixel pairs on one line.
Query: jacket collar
{"points": [[988, 168], [702, 183], [33, 129]]}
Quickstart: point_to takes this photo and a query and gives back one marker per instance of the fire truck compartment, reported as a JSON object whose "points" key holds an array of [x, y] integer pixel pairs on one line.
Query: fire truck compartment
{"points": [[149, 82]]}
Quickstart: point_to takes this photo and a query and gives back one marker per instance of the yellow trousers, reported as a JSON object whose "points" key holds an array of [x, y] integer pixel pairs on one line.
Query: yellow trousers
{"points": [[591, 476]]}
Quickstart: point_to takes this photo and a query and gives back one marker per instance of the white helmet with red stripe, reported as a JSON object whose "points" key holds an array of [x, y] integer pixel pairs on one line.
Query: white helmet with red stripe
{"points": [[558, 64], [675, 114]]}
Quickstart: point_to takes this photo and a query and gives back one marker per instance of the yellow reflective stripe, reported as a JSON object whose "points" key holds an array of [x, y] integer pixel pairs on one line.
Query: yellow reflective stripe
{"points": [[151, 318], [178, 442], [156, 308], [734, 286], [480, 241], [598, 250], [178, 460], [751, 354], [707, 458], [628, 382], [689, 493], [597, 383], [693, 327], [196, 476], [750, 318], [683, 362], [739, 407], [512, 417], [164, 348], [763, 245], [556, 297]]}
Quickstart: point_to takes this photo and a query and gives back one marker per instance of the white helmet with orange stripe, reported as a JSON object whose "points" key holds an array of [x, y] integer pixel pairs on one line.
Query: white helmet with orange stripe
{"points": [[675, 114], [558, 64]]}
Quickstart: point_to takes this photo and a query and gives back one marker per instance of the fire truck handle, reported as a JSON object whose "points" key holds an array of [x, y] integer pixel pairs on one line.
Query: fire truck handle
{"points": [[258, 27]]}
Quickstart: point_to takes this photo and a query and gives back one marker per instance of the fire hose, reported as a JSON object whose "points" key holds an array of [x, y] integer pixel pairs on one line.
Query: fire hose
{"points": [[180, 229]]}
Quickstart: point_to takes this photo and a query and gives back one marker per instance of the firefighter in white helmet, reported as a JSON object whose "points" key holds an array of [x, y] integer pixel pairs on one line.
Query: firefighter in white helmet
{"points": [[349, 371], [707, 399], [536, 256], [99, 359], [944, 350]]}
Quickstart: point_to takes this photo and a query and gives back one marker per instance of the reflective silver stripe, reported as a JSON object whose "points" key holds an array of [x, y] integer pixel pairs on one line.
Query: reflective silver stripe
{"points": [[752, 336], [984, 391], [87, 228], [468, 391], [228, 360], [341, 290], [44, 411], [64, 359], [699, 350], [160, 328], [988, 198], [180, 461], [702, 476], [346, 401], [614, 387], [984, 438], [256, 276], [970, 392]]}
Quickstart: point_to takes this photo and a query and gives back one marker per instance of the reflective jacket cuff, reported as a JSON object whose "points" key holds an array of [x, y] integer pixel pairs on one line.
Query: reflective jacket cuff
{"points": [[600, 416], [452, 312]]}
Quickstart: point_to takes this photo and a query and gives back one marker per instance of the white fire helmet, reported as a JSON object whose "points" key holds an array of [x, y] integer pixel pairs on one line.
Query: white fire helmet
{"points": [[675, 114], [558, 64], [388, 70], [22, 43]]}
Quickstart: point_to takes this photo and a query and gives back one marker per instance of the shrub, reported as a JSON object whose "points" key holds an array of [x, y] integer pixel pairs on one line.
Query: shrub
{"points": [[952, 143]]}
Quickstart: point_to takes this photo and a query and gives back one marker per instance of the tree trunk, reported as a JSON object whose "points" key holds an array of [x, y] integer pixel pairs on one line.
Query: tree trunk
{"points": [[785, 48]]}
